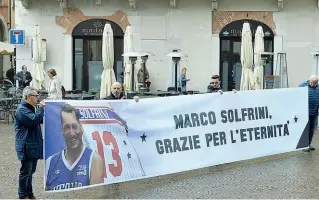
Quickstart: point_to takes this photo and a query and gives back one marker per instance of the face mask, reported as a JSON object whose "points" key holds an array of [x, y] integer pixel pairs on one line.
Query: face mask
{"points": [[116, 93]]}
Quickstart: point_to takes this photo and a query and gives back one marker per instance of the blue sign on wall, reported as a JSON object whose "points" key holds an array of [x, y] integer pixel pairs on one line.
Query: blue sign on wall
{"points": [[16, 37]]}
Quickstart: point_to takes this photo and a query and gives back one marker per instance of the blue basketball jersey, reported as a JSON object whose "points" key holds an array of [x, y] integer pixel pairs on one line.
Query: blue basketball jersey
{"points": [[60, 175]]}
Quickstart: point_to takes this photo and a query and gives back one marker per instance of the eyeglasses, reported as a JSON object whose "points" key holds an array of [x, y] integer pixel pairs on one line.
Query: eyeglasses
{"points": [[215, 83], [34, 95]]}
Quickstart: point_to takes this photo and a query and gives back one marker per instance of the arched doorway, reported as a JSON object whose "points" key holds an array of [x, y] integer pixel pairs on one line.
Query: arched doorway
{"points": [[87, 53], [230, 50]]}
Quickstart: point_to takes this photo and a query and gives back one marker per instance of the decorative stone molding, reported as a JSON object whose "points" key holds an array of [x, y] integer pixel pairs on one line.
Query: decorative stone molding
{"points": [[222, 18], [26, 4], [214, 5], [73, 16], [132, 4], [280, 5], [173, 3], [64, 4]]}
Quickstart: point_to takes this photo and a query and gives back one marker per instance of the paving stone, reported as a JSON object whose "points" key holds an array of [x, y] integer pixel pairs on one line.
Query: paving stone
{"points": [[291, 175]]}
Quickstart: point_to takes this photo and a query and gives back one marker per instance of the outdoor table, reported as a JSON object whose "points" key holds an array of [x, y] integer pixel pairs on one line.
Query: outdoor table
{"points": [[43, 92], [5, 106], [147, 96], [158, 93], [78, 96]]}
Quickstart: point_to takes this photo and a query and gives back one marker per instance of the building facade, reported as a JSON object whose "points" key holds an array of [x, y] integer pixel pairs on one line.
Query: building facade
{"points": [[209, 31]]}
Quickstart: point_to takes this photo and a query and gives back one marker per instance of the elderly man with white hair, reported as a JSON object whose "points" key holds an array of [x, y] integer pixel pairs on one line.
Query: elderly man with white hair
{"points": [[117, 93], [313, 101], [28, 139]]}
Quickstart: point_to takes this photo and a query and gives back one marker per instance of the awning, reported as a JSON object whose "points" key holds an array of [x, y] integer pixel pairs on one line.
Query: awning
{"points": [[6, 49]]}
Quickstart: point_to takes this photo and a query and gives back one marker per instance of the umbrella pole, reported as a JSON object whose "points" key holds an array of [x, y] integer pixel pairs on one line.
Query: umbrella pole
{"points": [[14, 65], [176, 77], [133, 61], [144, 74], [176, 60], [132, 78]]}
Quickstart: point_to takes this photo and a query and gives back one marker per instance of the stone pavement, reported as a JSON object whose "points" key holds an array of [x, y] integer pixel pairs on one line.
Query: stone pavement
{"points": [[291, 175]]}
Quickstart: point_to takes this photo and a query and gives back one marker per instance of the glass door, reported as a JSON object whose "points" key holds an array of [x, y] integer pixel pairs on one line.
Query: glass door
{"points": [[230, 66], [93, 67], [88, 64], [236, 66], [78, 64], [225, 62]]}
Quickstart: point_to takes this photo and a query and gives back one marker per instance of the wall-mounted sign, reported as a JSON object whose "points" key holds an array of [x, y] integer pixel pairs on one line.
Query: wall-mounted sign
{"points": [[17, 37], [95, 27], [234, 29]]}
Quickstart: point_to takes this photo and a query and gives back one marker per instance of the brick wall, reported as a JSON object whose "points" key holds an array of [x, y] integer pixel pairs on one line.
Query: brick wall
{"points": [[222, 18], [73, 16]]}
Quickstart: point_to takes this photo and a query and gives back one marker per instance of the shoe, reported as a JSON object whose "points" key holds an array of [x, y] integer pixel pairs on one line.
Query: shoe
{"points": [[306, 150], [312, 148], [24, 197], [31, 196]]}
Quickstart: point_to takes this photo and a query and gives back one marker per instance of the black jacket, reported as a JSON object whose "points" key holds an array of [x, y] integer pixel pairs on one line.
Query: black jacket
{"points": [[112, 97], [28, 134], [211, 89], [10, 75], [21, 79]]}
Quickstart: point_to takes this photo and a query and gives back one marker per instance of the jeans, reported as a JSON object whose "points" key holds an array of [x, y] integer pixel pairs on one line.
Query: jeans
{"points": [[312, 126], [27, 169]]}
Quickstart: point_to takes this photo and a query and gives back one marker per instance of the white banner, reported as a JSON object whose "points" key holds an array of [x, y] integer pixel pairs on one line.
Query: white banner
{"points": [[124, 140]]}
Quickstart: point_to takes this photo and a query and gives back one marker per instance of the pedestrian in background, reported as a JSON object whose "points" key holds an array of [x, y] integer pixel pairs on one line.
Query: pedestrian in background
{"points": [[313, 105], [28, 139], [24, 77], [55, 87], [182, 81], [214, 85]]}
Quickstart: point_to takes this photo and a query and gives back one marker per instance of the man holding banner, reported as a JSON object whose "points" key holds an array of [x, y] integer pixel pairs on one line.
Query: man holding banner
{"points": [[77, 165], [117, 93], [28, 139], [313, 105], [214, 85]]}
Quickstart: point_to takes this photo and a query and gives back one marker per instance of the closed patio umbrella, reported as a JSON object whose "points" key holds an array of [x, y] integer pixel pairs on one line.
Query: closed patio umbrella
{"points": [[128, 47], [108, 76], [258, 49], [246, 58], [38, 71]]}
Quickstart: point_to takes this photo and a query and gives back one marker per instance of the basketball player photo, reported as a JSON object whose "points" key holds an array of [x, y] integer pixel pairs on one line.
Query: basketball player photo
{"points": [[97, 150], [76, 165]]}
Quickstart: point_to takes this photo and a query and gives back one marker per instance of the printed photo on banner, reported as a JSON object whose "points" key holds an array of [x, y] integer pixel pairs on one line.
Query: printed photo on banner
{"points": [[87, 145]]}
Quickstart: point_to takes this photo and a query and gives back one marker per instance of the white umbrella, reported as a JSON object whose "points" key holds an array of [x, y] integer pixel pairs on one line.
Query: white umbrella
{"points": [[108, 76], [128, 47], [258, 49], [246, 58], [38, 71]]}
